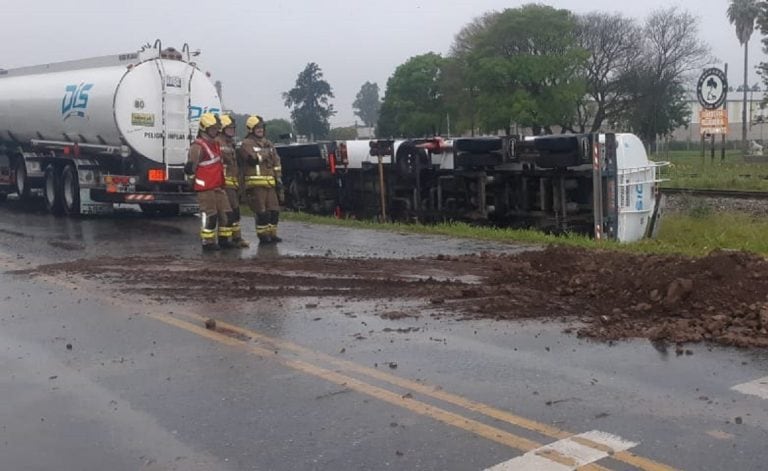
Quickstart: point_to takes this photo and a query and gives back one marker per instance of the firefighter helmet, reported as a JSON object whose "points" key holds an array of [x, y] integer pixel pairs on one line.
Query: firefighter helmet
{"points": [[226, 121], [254, 121], [207, 120]]}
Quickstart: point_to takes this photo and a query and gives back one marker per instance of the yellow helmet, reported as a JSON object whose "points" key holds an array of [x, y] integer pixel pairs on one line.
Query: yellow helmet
{"points": [[207, 120], [226, 121], [254, 121]]}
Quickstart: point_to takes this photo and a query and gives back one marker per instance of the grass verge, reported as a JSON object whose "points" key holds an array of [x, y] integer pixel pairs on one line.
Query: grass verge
{"points": [[687, 234], [689, 170]]}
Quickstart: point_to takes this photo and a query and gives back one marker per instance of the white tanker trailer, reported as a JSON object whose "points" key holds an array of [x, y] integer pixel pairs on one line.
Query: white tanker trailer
{"points": [[95, 132]]}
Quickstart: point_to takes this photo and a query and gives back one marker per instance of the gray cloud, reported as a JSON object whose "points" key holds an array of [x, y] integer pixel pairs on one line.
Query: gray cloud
{"points": [[258, 48]]}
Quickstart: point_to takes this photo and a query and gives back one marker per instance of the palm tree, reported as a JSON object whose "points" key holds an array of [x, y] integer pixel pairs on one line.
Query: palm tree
{"points": [[742, 14]]}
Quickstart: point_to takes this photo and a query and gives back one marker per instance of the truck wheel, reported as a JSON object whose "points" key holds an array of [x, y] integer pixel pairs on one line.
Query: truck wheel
{"points": [[70, 190], [3, 196], [20, 179], [52, 190], [409, 160]]}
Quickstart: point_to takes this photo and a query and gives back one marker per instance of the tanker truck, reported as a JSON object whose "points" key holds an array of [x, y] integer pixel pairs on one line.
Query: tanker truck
{"points": [[601, 185], [92, 133]]}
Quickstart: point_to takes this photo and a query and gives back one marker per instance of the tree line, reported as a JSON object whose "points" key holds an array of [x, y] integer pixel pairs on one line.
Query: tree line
{"points": [[536, 69], [548, 70]]}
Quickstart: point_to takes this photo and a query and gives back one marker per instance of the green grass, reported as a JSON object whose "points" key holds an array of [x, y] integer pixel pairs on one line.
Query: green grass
{"points": [[452, 229], [689, 170], [695, 234], [698, 233]]}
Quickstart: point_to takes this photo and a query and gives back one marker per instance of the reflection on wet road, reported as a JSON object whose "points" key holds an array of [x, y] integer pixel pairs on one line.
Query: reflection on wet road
{"points": [[96, 378]]}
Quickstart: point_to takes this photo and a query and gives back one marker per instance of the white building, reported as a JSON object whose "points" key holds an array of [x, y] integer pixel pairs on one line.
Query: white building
{"points": [[757, 115]]}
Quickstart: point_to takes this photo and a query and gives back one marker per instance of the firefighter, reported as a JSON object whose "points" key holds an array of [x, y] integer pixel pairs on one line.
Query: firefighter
{"points": [[231, 233], [262, 178], [204, 163]]}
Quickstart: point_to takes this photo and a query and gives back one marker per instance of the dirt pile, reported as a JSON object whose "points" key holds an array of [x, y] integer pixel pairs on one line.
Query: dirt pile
{"points": [[721, 298]]}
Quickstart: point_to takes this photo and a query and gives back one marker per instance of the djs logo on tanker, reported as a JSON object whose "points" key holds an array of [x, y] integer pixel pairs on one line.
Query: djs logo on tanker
{"points": [[75, 100], [196, 111]]}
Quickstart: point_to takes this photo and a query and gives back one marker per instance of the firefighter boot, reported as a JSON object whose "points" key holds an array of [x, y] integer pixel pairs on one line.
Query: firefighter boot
{"points": [[273, 218], [262, 228], [226, 233], [237, 239], [208, 232], [237, 236]]}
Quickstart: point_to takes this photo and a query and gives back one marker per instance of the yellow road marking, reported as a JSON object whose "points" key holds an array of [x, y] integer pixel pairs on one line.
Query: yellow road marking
{"points": [[591, 444], [557, 457], [497, 435], [491, 433], [544, 429], [639, 462], [627, 457]]}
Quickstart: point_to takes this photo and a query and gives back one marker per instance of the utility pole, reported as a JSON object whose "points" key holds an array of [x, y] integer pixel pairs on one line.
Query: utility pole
{"points": [[725, 107]]}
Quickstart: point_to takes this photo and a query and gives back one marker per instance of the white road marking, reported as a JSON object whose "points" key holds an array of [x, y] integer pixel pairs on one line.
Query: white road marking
{"points": [[573, 449], [758, 387], [530, 462]]}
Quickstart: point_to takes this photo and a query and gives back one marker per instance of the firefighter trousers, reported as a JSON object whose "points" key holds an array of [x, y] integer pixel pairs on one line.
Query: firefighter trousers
{"points": [[214, 207]]}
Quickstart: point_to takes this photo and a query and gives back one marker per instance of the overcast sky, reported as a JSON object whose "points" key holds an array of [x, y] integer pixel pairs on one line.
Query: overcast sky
{"points": [[257, 48]]}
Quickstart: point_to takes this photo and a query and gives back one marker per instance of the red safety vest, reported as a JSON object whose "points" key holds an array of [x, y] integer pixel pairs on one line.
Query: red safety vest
{"points": [[210, 170]]}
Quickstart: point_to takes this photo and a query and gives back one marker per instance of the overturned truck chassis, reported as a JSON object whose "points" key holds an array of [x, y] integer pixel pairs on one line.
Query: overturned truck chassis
{"points": [[559, 184]]}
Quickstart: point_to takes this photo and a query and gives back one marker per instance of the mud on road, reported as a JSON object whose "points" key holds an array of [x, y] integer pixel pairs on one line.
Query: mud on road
{"points": [[721, 298]]}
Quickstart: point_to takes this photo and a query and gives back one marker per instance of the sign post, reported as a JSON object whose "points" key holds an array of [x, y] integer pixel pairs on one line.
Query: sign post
{"points": [[712, 91]]}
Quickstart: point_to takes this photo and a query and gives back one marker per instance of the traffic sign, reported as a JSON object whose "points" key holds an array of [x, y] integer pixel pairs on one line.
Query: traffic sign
{"points": [[712, 88], [713, 121]]}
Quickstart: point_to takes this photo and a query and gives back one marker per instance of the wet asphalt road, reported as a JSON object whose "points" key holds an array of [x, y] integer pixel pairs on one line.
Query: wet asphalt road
{"points": [[90, 382]]}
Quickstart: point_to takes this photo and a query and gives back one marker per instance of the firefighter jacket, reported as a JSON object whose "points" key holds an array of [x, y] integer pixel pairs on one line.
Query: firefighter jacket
{"points": [[231, 170], [261, 164], [205, 159]]}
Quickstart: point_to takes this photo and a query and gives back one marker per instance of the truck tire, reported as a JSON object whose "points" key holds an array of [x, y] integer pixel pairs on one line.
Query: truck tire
{"points": [[52, 190], [70, 191], [409, 160], [3, 197], [20, 179]]}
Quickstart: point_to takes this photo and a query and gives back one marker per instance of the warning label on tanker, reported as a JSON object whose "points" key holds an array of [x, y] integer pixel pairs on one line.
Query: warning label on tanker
{"points": [[143, 119]]}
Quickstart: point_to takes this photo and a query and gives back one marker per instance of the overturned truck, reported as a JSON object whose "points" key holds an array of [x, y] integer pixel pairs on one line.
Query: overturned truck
{"points": [[601, 185]]}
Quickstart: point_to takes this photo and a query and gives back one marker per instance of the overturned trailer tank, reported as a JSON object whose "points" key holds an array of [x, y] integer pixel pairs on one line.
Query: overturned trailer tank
{"points": [[602, 185]]}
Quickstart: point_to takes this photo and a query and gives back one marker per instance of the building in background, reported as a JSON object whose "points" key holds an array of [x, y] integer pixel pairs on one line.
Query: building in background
{"points": [[757, 112]]}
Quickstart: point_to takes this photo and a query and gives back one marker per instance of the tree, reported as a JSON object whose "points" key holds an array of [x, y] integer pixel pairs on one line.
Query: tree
{"points": [[657, 106], [742, 14], [276, 128], [367, 104], [412, 103], [466, 40], [525, 63], [458, 82], [612, 42], [460, 95], [348, 133], [309, 100], [671, 50]]}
